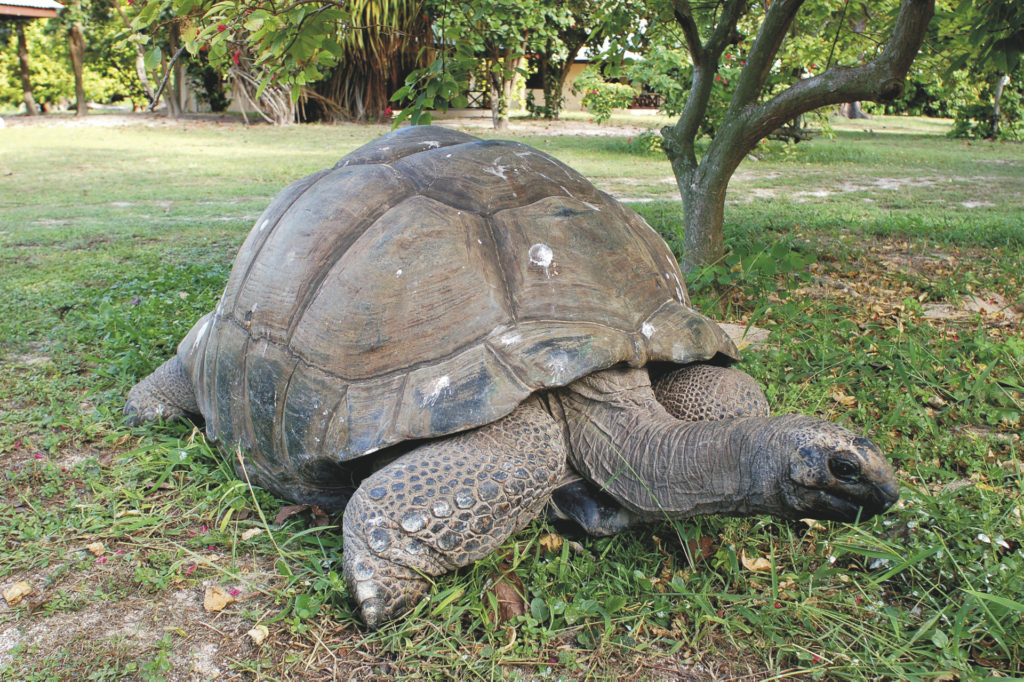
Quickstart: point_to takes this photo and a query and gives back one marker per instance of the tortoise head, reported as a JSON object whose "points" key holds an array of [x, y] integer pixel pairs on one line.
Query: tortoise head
{"points": [[835, 474]]}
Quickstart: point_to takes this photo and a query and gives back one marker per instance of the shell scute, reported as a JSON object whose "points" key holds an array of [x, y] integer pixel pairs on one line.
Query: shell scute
{"points": [[417, 286]]}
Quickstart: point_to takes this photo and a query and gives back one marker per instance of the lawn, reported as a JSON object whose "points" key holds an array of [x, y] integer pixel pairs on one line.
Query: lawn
{"points": [[884, 259]]}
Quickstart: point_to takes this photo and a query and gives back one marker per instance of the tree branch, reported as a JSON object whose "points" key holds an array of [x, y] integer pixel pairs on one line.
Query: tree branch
{"points": [[762, 55], [880, 80], [679, 139], [684, 17]]}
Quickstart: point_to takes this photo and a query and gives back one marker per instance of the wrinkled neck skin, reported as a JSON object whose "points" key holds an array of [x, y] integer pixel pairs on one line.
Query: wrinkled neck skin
{"points": [[657, 466]]}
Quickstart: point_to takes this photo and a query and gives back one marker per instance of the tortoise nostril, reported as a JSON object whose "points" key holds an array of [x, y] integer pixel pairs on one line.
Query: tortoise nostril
{"points": [[844, 469]]}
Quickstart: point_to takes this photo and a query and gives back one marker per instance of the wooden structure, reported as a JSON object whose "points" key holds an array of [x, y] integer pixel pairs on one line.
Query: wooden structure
{"points": [[44, 9]]}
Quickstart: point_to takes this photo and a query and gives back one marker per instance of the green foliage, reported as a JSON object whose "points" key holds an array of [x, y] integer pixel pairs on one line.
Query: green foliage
{"points": [[601, 97], [976, 117]]}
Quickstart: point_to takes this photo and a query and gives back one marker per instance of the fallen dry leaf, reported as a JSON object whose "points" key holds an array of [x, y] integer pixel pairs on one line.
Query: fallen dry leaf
{"points": [[251, 533], [320, 517], [758, 564], [259, 634], [701, 549], [843, 399], [288, 512], [508, 591], [552, 542], [16, 592], [96, 548], [216, 598], [813, 524]]}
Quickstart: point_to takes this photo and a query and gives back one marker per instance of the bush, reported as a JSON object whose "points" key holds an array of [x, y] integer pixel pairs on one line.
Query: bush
{"points": [[600, 97]]}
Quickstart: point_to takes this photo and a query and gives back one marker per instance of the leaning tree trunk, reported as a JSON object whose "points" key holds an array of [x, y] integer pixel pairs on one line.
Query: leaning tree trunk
{"points": [[26, 84], [702, 183], [140, 54], [997, 95], [76, 44]]}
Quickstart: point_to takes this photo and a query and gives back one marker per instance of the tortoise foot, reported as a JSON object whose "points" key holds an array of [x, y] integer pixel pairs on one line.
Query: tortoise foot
{"points": [[446, 504]]}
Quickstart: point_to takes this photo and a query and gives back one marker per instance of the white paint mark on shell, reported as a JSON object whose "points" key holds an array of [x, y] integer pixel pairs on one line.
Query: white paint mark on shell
{"points": [[437, 387], [510, 339], [542, 255], [592, 207], [647, 329], [447, 156], [431, 144], [263, 225], [498, 170], [558, 365], [679, 294], [567, 192], [398, 272], [199, 335]]}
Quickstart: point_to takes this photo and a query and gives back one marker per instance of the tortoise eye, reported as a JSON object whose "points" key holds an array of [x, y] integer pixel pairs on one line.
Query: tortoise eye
{"points": [[844, 469]]}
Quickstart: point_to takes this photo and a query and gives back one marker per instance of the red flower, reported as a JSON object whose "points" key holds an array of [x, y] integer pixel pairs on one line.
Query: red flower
{"points": [[190, 569], [718, 79], [728, 56], [235, 56], [101, 560], [221, 27], [778, 605]]}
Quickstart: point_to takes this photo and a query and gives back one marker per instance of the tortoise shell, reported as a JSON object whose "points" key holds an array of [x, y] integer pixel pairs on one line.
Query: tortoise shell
{"points": [[426, 284]]}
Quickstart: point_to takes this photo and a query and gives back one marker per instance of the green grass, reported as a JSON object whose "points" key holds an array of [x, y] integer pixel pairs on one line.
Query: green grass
{"points": [[113, 241]]}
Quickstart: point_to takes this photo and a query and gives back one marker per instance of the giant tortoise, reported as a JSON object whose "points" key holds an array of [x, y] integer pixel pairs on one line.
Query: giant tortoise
{"points": [[442, 335]]}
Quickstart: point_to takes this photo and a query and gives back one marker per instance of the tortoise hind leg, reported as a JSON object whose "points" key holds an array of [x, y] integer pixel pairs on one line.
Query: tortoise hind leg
{"points": [[166, 394], [445, 505]]}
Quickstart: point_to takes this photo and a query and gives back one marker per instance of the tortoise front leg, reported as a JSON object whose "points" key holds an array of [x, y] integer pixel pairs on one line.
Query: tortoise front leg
{"points": [[445, 505]]}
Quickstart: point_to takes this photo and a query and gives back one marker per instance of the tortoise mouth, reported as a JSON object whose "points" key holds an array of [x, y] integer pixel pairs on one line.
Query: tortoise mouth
{"points": [[849, 506]]}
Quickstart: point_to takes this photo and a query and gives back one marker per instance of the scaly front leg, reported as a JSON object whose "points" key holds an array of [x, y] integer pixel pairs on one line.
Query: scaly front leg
{"points": [[445, 505]]}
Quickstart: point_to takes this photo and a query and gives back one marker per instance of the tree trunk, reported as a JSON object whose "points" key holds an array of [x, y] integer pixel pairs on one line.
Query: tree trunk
{"points": [[140, 55], [499, 118], [76, 44], [997, 115], [852, 110], [26, 84], [172, 97]]}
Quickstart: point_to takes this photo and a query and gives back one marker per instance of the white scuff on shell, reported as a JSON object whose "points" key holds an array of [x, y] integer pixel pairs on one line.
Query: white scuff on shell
{"points": [[647, 329], [436, 389], [200, 333], [542, 255]]}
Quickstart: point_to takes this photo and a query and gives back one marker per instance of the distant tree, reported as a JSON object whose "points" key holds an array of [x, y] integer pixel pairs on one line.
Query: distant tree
{"points": [[17, 24], [73, 18], [495, 35], [984, 39], [593, 23]]}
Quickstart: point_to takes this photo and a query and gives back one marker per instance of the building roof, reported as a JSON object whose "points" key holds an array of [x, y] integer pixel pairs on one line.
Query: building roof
{"points": [[29, 8]]}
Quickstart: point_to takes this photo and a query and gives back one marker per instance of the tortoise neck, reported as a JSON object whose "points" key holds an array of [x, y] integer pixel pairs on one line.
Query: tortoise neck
{"points": [[657, 466]]}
